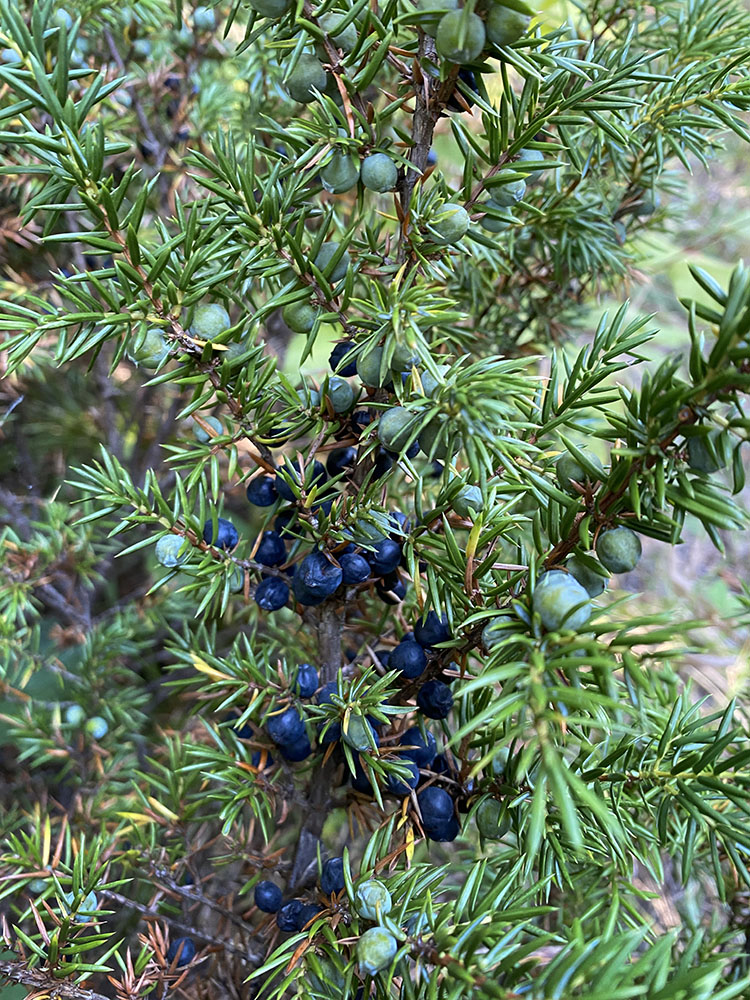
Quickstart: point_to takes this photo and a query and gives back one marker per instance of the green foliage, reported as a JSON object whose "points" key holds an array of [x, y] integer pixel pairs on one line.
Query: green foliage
{"points": [[205, 199]]}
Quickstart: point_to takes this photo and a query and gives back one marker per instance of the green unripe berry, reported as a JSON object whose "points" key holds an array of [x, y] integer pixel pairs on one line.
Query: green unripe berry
{"points": [[707, 453], [376, 949], [561, 602], [152, 350], [505, 26], [379, 172], [451, 223], [432, 12], [74, 715], [306, 75], [340, 174], [87, 908], [592, 582], [168, 550], [357, 733], [97, 727], [346, 39], [299, 316], [395, 428], [403, 358], [309, 398], [204, 19], [493, 224], [372, 900], [340, 394], [509, 194], [324, 257], [368, 369], [619, 549], [460, 37], [141, 49], [270, 8], [495, 631], [209, 321], [203, 436], [535, 156], [430, 384], [428, 441], [62, 19], [570, 471], [492, 820], [237, 580], [468, 503]]}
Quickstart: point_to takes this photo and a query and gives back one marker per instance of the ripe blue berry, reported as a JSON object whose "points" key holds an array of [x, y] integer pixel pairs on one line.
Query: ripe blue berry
{"points": [[420, 749], [315, 476], [287, 918], [332, 876], [316, 578], [329, 733], [306, 682], [435, 700], [267, 897], [298, 750], [432, 630], [409, 658], [271, 594], [360, 781], [186, 948], [444, 832], [286, 728], [383, 656], [261, 759], [342, 360], [271, 550], [340, 460], [385, 557], [308, 912], [392, 589], [355, 568], [226, 536], [262, 492], [403, 785], [324, 696]]}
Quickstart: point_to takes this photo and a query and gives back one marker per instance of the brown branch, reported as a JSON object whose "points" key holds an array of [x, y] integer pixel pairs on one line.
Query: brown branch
{"points": [[43, 982]]}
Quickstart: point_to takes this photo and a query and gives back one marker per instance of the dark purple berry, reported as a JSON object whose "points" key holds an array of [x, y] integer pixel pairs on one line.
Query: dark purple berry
{"points": [[306, 682], [271, 594], [271, 551], [332, 876], [288, 915], [403, 786], [262, 491], [286, 728], [435, 699], [340, 460], [420, 749], [338, 360], [409, 658], [356, 568], [431, 630], [226, 536], [316, 579], [385, 557], [186, 948], [267, 897]]}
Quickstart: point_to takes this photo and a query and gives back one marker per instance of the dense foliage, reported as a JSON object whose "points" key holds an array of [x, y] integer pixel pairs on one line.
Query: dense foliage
{"points": [[313, 682]]}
